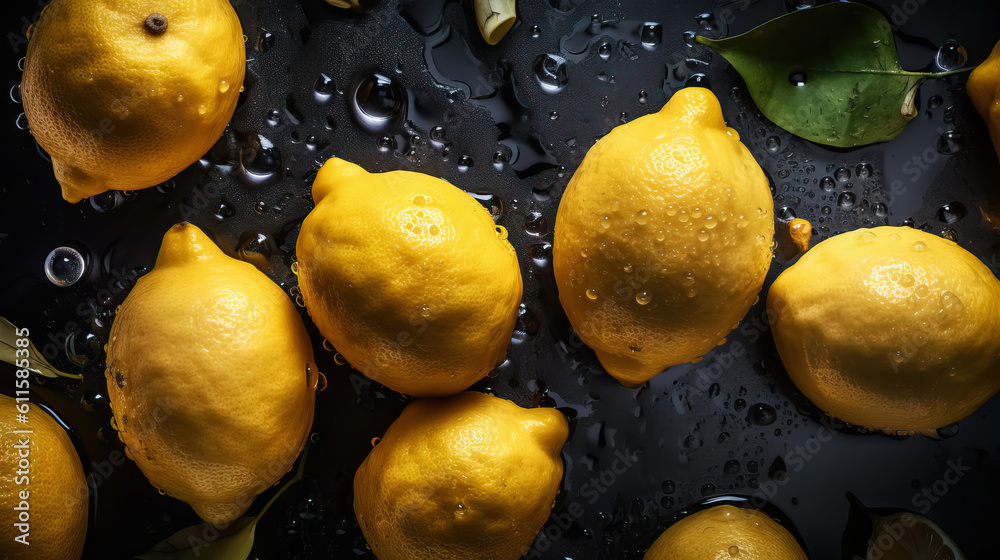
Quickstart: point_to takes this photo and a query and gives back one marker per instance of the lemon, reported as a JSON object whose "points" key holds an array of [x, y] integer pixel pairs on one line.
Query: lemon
{"points": [[468, 476], [42, 486], [408, 278], [726, 533], [124, 94], [890, 328], [662, 238], [983, 88], [210, 377]]}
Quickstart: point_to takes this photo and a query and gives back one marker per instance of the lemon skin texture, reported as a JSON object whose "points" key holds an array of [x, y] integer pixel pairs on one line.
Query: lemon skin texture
{"points": [[209, 377], [662, 238], [408, 278], [118, 106], [983, 88], [463, 477], [57, 493], [726, 533], [890, 328]]}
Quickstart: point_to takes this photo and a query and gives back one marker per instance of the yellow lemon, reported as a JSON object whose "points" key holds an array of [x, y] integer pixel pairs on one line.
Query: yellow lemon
{"points": [[210, 377], [41, 486], [469, 476], [124, 94], [726, 533], [408, 278], [662, 238], [984, 90], [890, 328]]}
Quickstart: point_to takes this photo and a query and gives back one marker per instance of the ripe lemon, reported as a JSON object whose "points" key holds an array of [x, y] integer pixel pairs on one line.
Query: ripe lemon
{"points": [[662, 238], [50, 491], [469, 476], [984, 90], [124, 94], [726, 533], [210, 377], [890, 328], [408, 278]]}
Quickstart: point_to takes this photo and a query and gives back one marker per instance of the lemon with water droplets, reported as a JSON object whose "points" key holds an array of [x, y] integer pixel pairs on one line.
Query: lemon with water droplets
{"points": [[124, 94], [726, 533], [49, 496], [408, 278], [662, 238], [468, 476], [210, 377], [890, 328], [983, 88]]}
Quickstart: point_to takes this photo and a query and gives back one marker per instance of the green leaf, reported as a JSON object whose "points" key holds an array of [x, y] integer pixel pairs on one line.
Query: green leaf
{"points": [[36, 363], [202, 542], [829, 74]]}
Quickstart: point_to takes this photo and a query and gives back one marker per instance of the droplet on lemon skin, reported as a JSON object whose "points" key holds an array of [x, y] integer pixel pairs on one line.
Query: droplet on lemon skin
{"points": [[891, 328], [681, 201], [726, 531]]}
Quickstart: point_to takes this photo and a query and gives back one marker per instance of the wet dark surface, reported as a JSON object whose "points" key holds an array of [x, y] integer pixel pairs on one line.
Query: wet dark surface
{"points": [[512, 122]]}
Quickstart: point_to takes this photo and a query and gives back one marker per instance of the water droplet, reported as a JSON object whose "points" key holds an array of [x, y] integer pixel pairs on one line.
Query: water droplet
{"points": [[705, 20], [15, 93], [375, 441], [880, 210], [949, 233], [952, 212], [934, 102], [82, 348], [536, 31], [323, 88], [643, 298], [863, 170], [273, 117], [842, 174], [761, 414], [643, 97], [846, 200], [668, 487], [256, 250], [792, 5], [106, 201], [540, 253], [785, 214], [951, 302], [550, 72], [265, 40], [827, 183], [339, 359], [378, 103], [703, 235], [604, 51], [223, 86], [950, 143], [651, 35], [919, 246], [773, 144], [707, 489], [492, 202], [536, 224], [951, 56], [65, 266], [591, 293], [224, 211], [642, 218], [732, 466], [386, 143], [22, 122], [464, 163], [798, 79], [698, 79], [949, 431], [734, 551], [501, 232]]}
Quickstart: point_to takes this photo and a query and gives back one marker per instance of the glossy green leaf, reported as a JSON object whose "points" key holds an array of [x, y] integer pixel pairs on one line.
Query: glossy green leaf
{"points": [[202, 542], [829, 74], [36, 362]]}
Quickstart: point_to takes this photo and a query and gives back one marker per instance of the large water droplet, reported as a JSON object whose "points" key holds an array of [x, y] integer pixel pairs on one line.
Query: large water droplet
{"points": [[951, 56], [761, 414], [83, 348], [324, 88], [536, 224], [952, 212], [550, 71], [490, 201], [65, 266], [846, 200], [950, 143], [378, 103], [651, 35], [256, 250]]}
